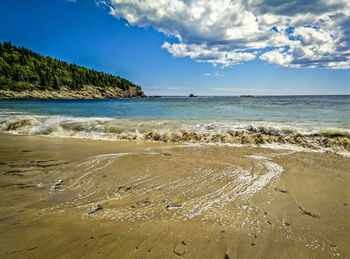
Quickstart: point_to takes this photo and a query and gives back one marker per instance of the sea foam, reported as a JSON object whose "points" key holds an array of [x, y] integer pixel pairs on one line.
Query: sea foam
{"points": [[180, 131]]}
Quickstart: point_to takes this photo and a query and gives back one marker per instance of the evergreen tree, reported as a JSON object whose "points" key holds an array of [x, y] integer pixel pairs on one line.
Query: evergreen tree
{"points": [[22, 69]]}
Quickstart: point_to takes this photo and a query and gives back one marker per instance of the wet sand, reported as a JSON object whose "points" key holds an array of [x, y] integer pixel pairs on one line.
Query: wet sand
{"points": [[169, 201]]}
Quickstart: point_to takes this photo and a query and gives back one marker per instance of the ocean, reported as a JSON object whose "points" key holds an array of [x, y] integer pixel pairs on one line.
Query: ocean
{"points": [[315, 122]]}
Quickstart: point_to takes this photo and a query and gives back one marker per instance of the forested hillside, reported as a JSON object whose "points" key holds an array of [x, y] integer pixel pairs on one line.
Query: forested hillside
{"points": [[24, 70]]}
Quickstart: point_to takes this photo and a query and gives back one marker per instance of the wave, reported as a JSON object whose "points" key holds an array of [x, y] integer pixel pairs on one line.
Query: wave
{"points": [[180, 131]]}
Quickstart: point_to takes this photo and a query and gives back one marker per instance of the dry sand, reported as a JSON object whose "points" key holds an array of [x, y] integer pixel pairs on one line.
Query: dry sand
{"points": [[167, 201]]}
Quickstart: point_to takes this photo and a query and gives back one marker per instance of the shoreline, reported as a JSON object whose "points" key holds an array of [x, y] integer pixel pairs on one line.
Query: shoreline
{"points": [[87, 92], [176, 132], [269, 145]]}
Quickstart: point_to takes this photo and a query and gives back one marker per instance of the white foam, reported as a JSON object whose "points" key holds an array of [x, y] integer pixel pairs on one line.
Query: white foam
{"points": [[162, 130]]}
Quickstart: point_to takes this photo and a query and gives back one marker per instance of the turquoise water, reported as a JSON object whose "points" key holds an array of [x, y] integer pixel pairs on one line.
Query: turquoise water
{"points": [[331, 110], [135, 118]]}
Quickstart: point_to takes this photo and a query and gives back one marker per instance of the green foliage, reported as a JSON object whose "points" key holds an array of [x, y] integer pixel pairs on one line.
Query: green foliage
{"points": [[22, 69]]}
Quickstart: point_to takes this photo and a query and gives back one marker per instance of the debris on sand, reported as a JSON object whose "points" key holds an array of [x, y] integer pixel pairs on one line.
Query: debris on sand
{"points": [[170, 205], [280, 190], [56, 185], [144, 202], [28, 249], [23, 186], [179, 253], [305, 212], [180, 249], [94, 209]]}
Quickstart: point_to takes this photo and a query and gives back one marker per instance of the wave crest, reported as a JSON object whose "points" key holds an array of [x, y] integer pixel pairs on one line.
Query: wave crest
{"points": [[336, 140]]}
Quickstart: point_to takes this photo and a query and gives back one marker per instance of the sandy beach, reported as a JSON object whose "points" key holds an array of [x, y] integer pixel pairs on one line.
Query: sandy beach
{"points": [[175, 129], [75, 198]]}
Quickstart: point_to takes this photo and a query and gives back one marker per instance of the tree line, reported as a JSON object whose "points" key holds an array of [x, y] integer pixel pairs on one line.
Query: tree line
{"points": [[23, 69]]}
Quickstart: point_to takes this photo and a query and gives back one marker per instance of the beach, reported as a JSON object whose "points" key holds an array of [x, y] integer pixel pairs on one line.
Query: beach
{"points": [[76, 197], [175, 129]]}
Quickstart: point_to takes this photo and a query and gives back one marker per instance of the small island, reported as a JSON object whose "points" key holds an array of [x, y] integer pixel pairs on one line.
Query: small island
{"points": [[26, 74]]}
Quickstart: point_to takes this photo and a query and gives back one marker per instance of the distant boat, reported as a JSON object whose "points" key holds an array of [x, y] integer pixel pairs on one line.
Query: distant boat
{"points": [[192, 95]]}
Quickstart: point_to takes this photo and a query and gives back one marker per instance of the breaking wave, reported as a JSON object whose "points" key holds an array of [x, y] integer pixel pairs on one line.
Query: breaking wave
{"points": [[179, 131]]}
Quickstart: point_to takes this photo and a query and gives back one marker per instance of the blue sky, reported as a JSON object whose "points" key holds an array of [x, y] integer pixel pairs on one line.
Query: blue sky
{"points": [[175, 57]]}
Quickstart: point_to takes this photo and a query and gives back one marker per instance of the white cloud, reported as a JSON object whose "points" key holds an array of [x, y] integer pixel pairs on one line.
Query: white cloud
{"points": [[216, 73], [278, 57], [294, 33]]}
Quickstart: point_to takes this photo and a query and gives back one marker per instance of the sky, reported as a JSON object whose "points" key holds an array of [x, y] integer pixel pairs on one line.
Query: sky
{"points": [[208, 47]]}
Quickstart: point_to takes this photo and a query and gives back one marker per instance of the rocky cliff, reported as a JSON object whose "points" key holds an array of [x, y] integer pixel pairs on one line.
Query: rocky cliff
{"points": [[87, 92]]}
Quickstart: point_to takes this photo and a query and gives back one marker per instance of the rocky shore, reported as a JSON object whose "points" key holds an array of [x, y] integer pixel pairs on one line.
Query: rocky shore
{"points": [[87, 92]]}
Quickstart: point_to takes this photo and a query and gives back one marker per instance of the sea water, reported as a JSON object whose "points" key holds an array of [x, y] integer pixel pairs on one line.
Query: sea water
{"points": [[181, 119]]}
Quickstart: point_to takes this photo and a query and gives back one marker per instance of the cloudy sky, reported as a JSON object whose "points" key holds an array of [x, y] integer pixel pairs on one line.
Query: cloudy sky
{"points": [[210, 47]]}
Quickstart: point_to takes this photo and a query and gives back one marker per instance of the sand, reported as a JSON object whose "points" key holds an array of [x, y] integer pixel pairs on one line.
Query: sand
{"points": [[169, 201]]}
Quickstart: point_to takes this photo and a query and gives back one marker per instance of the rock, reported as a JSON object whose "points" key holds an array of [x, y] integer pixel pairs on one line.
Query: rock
{"points": [[87, 92], [94, 209], [171, 205], [56, 185]]}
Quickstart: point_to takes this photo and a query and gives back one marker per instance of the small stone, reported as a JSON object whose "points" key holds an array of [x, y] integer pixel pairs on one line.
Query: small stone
{"points": [[94, 209], [56, 185], [171, 205]]}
